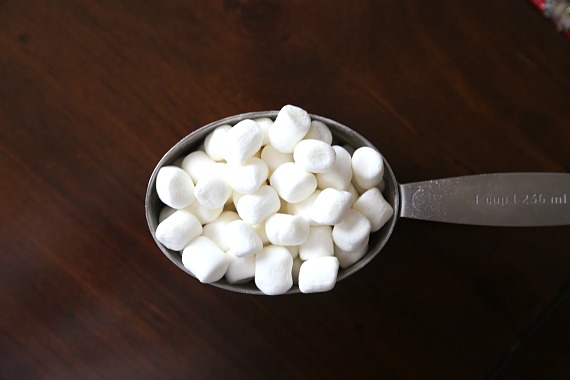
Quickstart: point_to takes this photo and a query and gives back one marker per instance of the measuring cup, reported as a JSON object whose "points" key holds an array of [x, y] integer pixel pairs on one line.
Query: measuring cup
{"points": [[502, 199]]}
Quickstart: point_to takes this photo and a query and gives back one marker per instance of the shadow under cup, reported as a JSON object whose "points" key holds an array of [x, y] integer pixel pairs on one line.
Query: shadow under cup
{"points": [[342, 135]]}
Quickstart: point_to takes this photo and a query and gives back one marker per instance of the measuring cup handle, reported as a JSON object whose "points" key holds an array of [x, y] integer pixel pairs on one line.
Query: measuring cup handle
{"points": [[502, 199]]}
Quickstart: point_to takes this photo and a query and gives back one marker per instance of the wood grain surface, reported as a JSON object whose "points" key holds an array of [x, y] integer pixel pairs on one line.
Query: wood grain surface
{"points": [[93, 93]]}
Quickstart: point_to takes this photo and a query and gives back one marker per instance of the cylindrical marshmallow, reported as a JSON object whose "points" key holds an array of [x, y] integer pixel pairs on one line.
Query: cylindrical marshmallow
{"points": [[347, 258], [241, 269], [273, 270], [242, 239], [274, 158], [264, 123], [292, 183], [291, 125], [205, 260], [303, 208], [260, 231], [242, 141], [212, 191], [352, 232], [373, 206], [249, 176], [174, 187], [319, 131], [318, 274], [214, 144], [205, 215], [319, 243], [198, 164], [215, 230], [367, 167], [331, 206], [340, 175], [285, 229], [178, 229], [314, 156], [256, 207]]}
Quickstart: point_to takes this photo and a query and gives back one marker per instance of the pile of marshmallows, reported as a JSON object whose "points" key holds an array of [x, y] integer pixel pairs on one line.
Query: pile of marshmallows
{"points": [[274, 202]]}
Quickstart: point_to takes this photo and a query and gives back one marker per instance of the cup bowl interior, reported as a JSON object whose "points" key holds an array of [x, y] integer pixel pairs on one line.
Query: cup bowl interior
{"points": [[342, 135]]}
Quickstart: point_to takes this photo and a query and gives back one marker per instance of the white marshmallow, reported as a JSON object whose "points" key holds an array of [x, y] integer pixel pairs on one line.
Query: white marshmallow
{"points": [[264, 123], [174, 187], [273, 270], [319, 243], [178, 229], [292, 183], [242, 239], [256, 207], [166, 212], [241, 269], [373, 206], [303, 208], [331, 206], [242, 141], [319, 131], [205, 260], [367, 167], [285, 229], [214, 144], [215, 230], [247, 178], [352, 232], [205, 215], [318, 274], [260, 231], [274, 158], [314, 156], [212, 191], [340, 175], [354, 192], [291, 125], [198, 164], [347, 258]]}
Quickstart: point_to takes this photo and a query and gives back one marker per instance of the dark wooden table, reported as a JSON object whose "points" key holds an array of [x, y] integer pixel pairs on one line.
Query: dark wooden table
{"points": [[93, 93]]}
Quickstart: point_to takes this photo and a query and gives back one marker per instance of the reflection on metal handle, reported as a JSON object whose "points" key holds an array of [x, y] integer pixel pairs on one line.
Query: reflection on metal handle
{"points": [[503, 199]]}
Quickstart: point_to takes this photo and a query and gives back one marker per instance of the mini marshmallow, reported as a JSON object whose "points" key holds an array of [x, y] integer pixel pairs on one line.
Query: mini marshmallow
{"points": [[174, 187], [331, 206], [215, 230], [241, 269], [303, 208], [242, 239], [264, 123], [347, 258], [260, 231], [314, 156], [291, 125], [212, 191], [367, 167], [214, 142], [285, 229], [319, 243], [340, 175], [198, 164], [352, 190], [205, 260], [205, 215], [373, 206], [352, 232], [249, 176], [274, 158], [319, 131], [292, 183], [318, 274], [178, 229], [256, 207], [273, 270], [242, 141]]}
